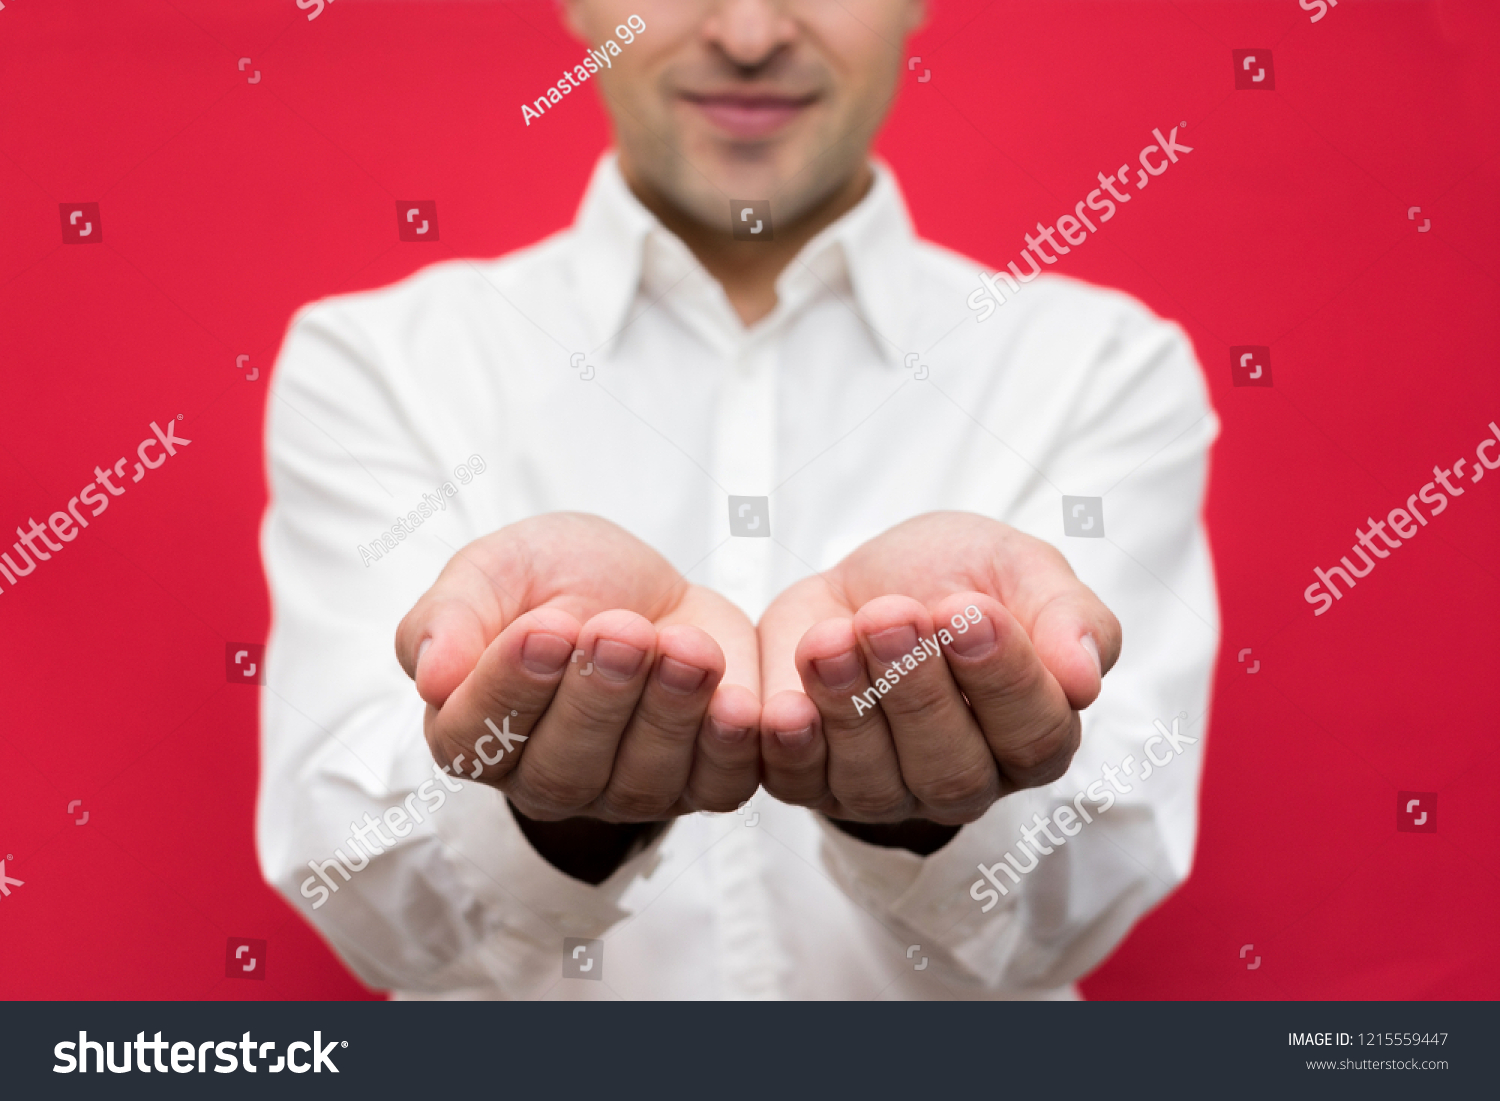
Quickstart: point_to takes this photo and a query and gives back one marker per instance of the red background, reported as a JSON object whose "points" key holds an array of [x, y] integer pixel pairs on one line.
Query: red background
{"points": [[225, 205]]}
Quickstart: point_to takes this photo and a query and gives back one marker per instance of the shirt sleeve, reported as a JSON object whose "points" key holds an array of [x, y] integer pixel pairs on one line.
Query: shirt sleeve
{"points": [[1056, 900], [443, 893]]}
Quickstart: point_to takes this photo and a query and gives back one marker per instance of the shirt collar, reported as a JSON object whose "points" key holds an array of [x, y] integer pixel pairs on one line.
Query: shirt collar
{"points": [[869, 250]]}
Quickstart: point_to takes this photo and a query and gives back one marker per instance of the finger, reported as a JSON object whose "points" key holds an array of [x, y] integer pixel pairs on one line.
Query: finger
{"points": [[1027, 721], [786, 621], [655, 757], [1031, 578], [726, 759], [579, 564], [944, 759], [864, 773], [1076, 637], [440, 640], [793, 753], [572, 750], [479, 731], [728, 626]]}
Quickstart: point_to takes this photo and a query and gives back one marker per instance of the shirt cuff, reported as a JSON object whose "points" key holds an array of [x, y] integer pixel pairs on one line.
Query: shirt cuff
{"points": [[493, 858], [930, 896]]}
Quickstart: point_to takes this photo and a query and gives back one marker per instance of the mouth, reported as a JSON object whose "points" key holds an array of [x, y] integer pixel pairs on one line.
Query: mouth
{"points": [[749, 115]]}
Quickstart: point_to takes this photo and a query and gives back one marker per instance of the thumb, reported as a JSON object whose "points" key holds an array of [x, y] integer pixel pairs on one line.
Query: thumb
{"points": [[440, 640], [1078, 639], [438, 644]]}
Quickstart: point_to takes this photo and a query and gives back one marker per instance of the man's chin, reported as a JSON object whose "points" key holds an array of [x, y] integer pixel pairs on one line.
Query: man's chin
{"points": [[784, 177], [713, 173]]}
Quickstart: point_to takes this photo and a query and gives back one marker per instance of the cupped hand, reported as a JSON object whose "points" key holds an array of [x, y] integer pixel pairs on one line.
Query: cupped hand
{"points": [[568, 664], [866, 722]]}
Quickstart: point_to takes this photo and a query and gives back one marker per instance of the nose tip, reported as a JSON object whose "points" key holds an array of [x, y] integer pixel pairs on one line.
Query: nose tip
{"points": [[750, 32]]}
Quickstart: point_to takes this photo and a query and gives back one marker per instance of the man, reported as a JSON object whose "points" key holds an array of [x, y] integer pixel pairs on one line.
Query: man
{"points": [[866, 671]]}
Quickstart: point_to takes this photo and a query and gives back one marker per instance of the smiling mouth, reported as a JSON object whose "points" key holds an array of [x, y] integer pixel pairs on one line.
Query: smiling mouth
{"points": [[750, 115]]}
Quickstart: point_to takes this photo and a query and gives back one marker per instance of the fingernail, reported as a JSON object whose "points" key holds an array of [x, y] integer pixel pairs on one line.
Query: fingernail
{"points": [[893, 644], [545, 653], [679, 677], [422, 648], [729, 735], [795, 739], [976, 642], [617, 660], [1092, 647], [840, 672]]}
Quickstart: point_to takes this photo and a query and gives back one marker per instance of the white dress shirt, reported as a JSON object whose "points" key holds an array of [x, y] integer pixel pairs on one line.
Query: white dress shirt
{"points": [[1067, 389]]}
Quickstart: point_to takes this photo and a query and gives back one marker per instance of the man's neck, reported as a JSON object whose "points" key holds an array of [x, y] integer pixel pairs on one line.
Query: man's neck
{"points": [[748, 269]]}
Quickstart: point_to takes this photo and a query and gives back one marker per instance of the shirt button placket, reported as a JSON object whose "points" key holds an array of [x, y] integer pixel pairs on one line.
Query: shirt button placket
{"points": [[745, 465]]}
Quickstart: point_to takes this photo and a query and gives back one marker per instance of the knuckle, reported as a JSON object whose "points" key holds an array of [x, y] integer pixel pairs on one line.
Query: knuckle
{"points": [[842, 735], [534, 811], [876, 806], [629, 804], [1047, 757], [963, 792], [548, 789], [443, 745], [925, 696], [522, 800], [595, 710], [1011, 680], [960, 817], [796, 791], [719, 791], [1031, 756], [677, 726]]}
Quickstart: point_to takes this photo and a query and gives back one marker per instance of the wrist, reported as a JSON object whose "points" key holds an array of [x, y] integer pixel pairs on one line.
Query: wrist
{"points": [[916, 835], [586, 848]]}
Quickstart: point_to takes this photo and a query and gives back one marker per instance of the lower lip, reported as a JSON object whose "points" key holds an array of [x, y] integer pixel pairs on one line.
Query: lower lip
{"points": [[749, 121]]}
